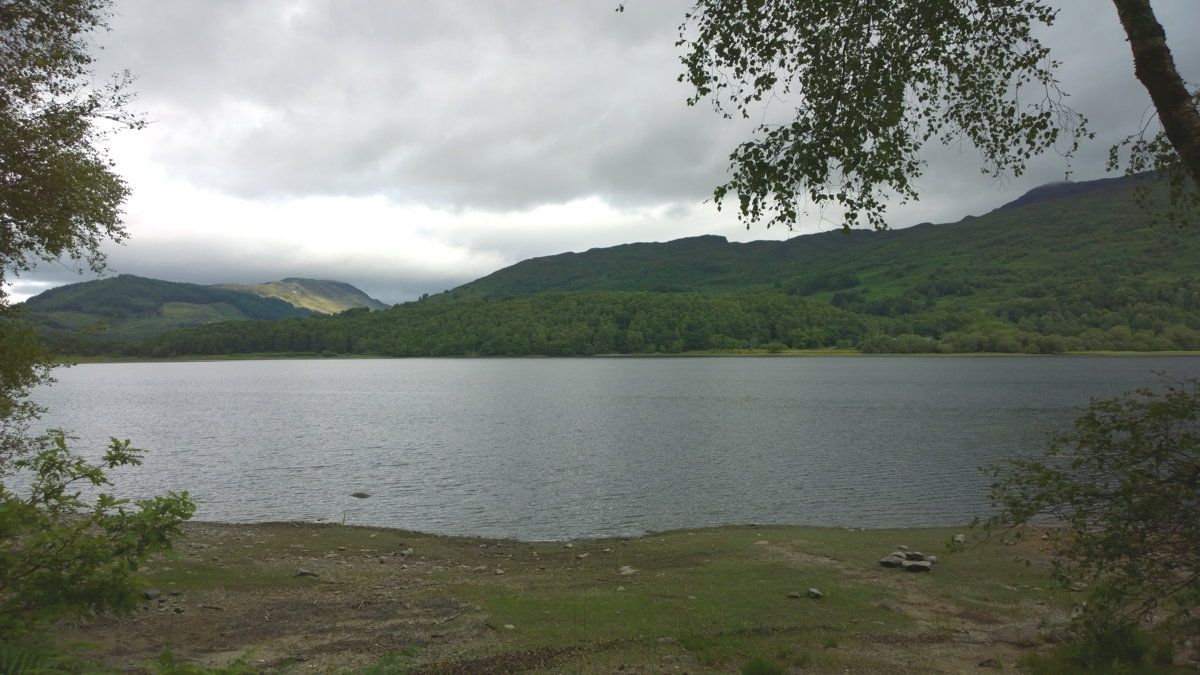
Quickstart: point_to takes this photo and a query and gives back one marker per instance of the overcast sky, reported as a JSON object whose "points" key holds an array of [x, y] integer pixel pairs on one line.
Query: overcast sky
{"points": [[407, 147]]}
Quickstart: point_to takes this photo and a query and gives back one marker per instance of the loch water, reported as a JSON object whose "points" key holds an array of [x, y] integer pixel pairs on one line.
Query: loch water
{"points": [[546, 448]]}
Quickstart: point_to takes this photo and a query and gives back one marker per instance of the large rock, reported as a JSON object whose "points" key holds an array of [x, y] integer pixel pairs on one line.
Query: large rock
{"points": [[914, 555], [892, 561], [917, 566], [814, 594]]}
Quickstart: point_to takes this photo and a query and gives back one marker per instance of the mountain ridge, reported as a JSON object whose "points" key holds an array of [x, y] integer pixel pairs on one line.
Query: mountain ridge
{"points": [[323, 296], [95, 315]]}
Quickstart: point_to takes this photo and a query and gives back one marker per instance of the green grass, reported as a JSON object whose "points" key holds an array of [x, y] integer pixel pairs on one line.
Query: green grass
{"points": [[705, 600]]}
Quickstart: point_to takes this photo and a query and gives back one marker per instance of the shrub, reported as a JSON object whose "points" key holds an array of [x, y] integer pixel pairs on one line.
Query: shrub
{"points": [[1125, 487], [62, 554]]}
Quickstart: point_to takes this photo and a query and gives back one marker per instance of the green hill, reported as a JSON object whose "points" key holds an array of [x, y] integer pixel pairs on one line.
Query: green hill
{"points": [[317, 295], [97, 315], [1066, 267], [1059, 239]]}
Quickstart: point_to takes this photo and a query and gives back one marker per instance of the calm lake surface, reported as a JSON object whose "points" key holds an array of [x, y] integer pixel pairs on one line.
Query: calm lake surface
{"points": [[558, 448]]}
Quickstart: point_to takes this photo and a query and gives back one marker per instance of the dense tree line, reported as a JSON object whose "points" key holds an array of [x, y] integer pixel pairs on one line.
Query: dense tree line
{"points": [[551, 324], [1123, 318]]}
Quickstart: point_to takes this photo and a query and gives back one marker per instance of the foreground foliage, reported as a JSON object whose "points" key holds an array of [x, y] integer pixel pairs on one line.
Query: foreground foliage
{"points": [[1125, 484], [61, 551], [876, 82], [60, 196], [865, 87], [62, 554]]}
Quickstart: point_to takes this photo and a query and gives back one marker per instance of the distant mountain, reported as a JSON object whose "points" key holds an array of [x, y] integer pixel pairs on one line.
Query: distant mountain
{"points": [[1066, 189], [129, 308], [317, 295]]}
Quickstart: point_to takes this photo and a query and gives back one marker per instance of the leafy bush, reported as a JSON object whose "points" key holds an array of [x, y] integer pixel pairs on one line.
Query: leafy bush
{"points": [[1123, 649], [61, 554], [1125, 486]]}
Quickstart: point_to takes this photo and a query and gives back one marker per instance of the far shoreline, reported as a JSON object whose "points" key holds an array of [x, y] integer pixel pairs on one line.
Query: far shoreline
{"points": [[69, 360]]}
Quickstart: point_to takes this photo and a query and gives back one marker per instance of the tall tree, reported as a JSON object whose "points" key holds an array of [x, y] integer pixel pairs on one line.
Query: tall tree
{"points": [[866, 85], [59, 195]]}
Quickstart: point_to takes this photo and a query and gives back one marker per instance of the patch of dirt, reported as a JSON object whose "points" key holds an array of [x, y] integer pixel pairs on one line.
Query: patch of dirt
{"points": [[355, 611]]}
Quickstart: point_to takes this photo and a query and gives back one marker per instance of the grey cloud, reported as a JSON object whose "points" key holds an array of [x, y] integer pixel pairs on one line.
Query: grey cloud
{"points": [[499, 106], [495, 105]]}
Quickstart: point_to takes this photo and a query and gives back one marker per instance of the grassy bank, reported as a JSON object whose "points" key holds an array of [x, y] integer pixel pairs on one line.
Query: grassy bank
{"points": [[707, 600]]}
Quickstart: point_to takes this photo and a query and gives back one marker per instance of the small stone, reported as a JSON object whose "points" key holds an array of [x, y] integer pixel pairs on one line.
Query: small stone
{"points": [[914, 555], [179, 610], [359, 495], [382, 560], [581, 556], [620, 589], [499, 571], [932, 559], [568, 545], [795, 595], [892, 561], [509, 626], [481, 568], [761, 542], [626, 571], [406, 552], [151, 593], [301, 572], [341, 548], [608, 550], [960, 538], [814, 594], [902, 547], [917, 566]]}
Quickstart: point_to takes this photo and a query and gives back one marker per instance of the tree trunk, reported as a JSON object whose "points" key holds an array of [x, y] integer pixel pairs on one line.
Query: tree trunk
{"points": [[1155, 68]]}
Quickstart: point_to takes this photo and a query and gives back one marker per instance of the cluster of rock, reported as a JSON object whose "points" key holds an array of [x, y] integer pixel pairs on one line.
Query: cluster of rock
{"points": [[910, 561]]}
